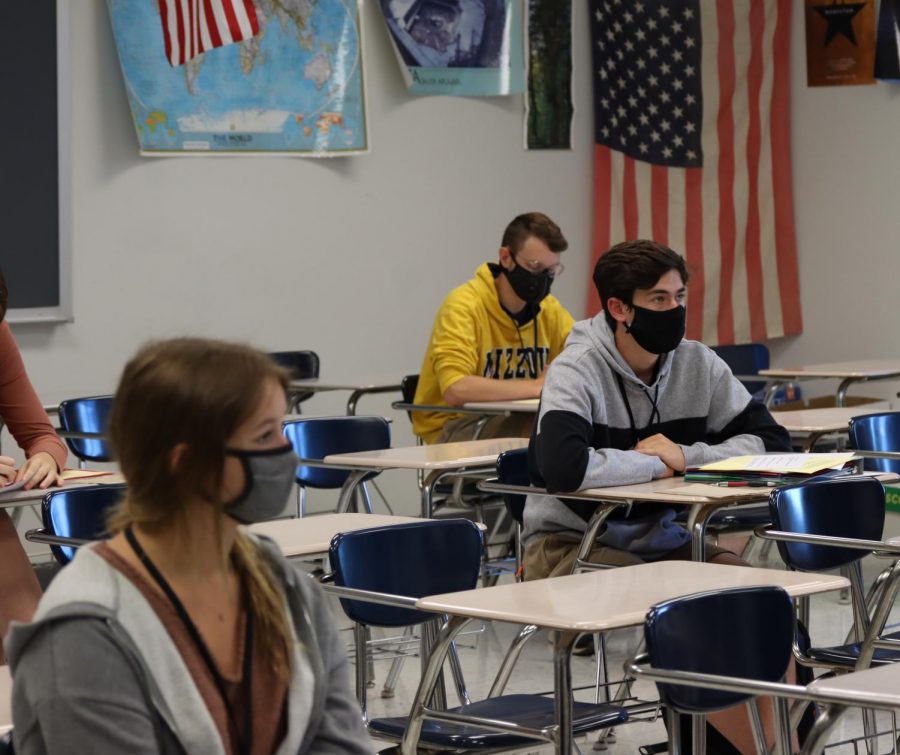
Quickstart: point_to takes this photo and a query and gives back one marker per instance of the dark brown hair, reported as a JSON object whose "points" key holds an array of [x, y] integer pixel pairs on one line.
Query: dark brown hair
{"points": [[534, 224], [633, 265], [196, 393]]}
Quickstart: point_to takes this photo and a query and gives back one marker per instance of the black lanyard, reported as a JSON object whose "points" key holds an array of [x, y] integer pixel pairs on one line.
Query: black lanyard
{"points": [[244, 743], [533, 369], [654, 412]]}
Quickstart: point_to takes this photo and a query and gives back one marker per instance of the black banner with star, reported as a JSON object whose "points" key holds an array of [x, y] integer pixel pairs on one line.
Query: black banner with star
{"points": [[840, 42]]}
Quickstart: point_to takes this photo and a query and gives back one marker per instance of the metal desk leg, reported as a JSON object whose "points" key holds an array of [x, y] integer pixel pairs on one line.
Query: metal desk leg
{"points": [[363, 499], [879, 616], [771, 390], [811, 441], [562, 685], [427, 493], [840, 399], [697, 521], [348, 489], [352, 401], [821, 730], [674, 727], [360, 392], [782, 726], [590, 535], [698, 733], [361, 668], [510, 659], [429, 634], [427, 500], [426, 684]]}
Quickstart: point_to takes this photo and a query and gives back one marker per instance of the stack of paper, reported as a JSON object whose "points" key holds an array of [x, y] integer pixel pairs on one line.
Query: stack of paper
{"points": [[776, 467]]}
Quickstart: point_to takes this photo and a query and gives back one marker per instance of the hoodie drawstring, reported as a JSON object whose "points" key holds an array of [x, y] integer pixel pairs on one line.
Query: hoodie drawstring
{"points": [[654, 412]]}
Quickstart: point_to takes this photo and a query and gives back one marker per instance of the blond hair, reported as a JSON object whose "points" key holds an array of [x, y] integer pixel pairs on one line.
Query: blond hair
{"points": [[196, 393]]}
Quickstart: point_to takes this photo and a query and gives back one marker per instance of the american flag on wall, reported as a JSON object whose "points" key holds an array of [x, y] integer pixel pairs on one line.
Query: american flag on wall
{"points": [[692, 136], [191, 27]]}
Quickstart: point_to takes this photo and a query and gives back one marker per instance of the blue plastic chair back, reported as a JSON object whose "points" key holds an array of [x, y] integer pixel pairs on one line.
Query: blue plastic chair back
{"points": [[79, 513], [317, 437], [746, 632], [408, 387], [302, 365], [852, 507], [512, 469], [430, 557], [746, 359], [877, 432], [87, 415]]}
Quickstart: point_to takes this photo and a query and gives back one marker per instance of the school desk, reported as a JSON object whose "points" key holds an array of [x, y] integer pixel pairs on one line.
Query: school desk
{"points": [[858, 371], [311, 535], [596, 601], [358, 388], [439, 461]]}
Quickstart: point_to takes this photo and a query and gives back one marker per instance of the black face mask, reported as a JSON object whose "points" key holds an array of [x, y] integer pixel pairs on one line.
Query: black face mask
{"points": [[657, 331], [529, 287]]}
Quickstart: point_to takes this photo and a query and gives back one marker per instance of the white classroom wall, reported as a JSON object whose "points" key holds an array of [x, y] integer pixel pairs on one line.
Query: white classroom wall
{"points": [[351, 256]]}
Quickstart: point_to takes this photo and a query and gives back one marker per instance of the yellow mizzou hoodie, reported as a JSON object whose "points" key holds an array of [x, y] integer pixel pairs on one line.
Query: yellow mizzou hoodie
{"points": [[474, 335]]}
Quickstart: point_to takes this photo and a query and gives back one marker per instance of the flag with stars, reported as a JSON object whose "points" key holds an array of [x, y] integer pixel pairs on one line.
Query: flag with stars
{"points": [[692, 149]]}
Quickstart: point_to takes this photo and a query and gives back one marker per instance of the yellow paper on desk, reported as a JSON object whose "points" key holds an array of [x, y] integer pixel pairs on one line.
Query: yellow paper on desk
{"points": [[81, 474], [780, 463]]}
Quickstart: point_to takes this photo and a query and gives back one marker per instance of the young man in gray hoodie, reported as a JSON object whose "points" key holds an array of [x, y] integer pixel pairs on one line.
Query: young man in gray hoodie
{"points": [[628, 401]]}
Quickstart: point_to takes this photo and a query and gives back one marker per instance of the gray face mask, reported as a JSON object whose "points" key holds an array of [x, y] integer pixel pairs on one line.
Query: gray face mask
{"points": [[269, 476]]}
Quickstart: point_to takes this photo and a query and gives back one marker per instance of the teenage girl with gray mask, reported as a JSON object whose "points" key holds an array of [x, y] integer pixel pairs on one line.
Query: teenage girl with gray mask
{"points": [[182, 633]]}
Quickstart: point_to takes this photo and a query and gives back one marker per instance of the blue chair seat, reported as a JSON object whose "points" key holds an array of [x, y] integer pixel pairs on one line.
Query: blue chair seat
{"points": [[742, 517], [525, 710], [847, 655]]}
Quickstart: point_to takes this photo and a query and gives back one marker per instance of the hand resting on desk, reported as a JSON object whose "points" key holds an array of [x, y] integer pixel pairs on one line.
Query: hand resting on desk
{"points": [[39, 471], [671, 454]]}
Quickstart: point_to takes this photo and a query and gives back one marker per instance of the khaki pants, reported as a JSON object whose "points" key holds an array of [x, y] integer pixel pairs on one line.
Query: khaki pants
{"points": [[517, 425], [554, 556]]}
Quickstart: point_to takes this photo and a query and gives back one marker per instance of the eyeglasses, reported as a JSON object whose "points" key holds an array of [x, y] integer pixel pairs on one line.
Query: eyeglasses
{"points": [[536, 267]]}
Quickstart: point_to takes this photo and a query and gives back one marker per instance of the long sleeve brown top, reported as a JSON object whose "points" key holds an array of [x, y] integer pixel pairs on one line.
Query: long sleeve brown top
{"points": [[20, 407]]}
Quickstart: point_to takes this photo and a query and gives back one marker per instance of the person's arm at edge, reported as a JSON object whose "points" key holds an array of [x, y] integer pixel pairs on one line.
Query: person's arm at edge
{"points": [[24, 414], [475, 388]]}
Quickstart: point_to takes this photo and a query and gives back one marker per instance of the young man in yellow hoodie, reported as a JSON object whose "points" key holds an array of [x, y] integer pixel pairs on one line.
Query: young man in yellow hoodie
{"points": [[494, 336]]}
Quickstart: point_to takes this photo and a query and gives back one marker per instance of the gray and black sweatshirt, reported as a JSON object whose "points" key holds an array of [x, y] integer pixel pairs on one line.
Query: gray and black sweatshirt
{"points": [[593, 411]]}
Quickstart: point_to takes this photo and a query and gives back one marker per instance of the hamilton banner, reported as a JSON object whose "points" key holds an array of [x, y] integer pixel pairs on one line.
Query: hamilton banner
{"points": [[840, 42]]}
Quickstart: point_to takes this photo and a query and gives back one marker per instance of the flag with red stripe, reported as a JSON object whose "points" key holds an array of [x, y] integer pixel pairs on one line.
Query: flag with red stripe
{"points": [[191, 27], [692, 149]]}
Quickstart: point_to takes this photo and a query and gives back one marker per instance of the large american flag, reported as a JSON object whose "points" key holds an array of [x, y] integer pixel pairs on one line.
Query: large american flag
{"points": [[191, 27], [692, 150]]}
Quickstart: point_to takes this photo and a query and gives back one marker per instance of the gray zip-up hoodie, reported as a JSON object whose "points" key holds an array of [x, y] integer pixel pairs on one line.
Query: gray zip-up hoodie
{"points": [[593, 411], [96, 672]]}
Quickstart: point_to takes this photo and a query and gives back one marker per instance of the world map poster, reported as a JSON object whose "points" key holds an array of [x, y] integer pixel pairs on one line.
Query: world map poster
{"points": [[296, 87]]}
